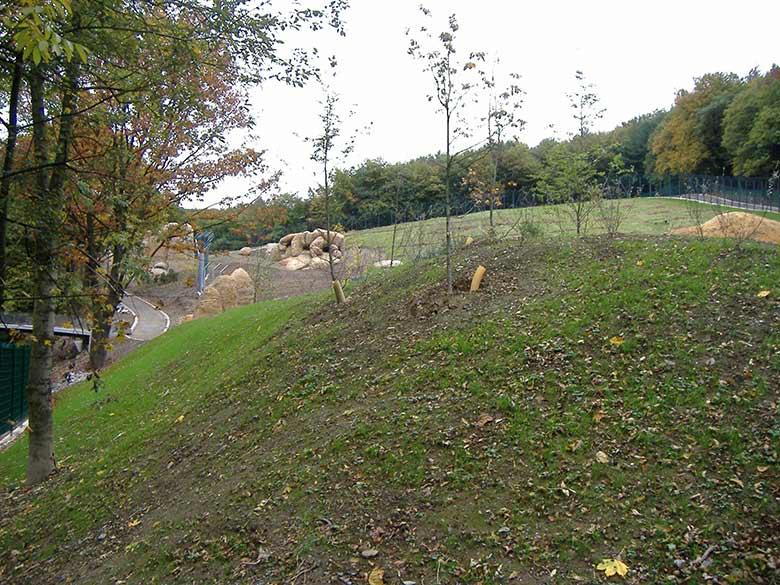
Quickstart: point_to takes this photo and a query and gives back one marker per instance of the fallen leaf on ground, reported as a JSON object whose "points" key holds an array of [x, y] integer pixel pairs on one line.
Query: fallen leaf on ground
{"points": [[763, 294], [376, 577], [613, 567], [617, 340], [602, 457]]}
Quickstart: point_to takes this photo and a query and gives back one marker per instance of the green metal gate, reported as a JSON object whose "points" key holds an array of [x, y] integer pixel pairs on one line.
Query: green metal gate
{"points": [[14, 369]]}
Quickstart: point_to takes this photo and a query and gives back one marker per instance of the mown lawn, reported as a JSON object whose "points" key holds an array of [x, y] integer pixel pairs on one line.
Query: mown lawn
{"points": [[642, 216]]}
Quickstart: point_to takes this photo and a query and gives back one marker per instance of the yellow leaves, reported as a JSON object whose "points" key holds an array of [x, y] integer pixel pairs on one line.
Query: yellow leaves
{"points": [[617, 340], [133, 523], [376, 577], [613, 567], [640, 263], [602, 457], [180, 419], [762, 294], [599, 415]]}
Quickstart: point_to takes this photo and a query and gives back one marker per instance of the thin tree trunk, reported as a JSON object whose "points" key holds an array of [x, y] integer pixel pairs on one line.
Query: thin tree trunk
{"points": [[493, 189], [337, 290], [395, 222], [48, 207], [447, 189], [8, 163]]}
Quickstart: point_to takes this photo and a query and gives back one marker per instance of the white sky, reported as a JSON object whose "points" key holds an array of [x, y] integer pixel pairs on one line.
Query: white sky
{"points": [[636, 54]]}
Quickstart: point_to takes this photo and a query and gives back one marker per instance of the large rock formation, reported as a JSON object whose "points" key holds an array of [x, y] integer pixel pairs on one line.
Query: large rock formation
{"points": [[225, 293], [310, 249]]}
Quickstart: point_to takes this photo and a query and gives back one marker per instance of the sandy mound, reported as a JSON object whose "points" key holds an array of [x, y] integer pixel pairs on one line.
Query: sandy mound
{"points": [[737, 225]]}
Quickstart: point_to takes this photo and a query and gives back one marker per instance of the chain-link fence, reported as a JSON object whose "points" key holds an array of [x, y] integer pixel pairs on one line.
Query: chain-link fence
{"points": [[752, 193]]}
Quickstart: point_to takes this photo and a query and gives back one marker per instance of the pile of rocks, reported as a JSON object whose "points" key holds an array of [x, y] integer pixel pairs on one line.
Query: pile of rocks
{"points": [[310, 249]]}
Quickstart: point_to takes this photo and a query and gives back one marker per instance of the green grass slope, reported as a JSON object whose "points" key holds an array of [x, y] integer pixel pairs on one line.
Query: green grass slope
{"points": [[594, 400]]}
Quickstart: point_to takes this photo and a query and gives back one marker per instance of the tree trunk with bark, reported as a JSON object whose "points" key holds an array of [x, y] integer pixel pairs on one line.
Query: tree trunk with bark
{"points": [[48, 207]]}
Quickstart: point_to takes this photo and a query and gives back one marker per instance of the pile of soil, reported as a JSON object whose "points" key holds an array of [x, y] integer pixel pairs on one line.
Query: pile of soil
{"points": [[737, 225]]}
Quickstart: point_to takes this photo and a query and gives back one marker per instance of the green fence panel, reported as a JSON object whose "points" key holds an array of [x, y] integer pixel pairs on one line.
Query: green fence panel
{"points": [[14, 370]]}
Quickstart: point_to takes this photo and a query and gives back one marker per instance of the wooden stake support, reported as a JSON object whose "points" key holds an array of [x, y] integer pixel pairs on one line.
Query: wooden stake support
{"points": [[476, 280]]}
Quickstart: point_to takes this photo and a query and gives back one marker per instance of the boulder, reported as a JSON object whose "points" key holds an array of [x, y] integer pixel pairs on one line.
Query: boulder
{"points": [[209, 303], [319, 244], [319, 263], [309, 245], [295, 262], [273, 251], [245, 288], [296, 245], [245, 251], [227, 289]]}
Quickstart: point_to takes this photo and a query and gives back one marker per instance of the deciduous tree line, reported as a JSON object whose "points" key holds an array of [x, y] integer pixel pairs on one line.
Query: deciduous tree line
{"points": [[726, 125]]}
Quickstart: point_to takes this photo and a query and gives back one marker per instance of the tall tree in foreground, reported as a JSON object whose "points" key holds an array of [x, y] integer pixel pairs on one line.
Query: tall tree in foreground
{"points": [[71, 51], [452, 90], [157, 148]]}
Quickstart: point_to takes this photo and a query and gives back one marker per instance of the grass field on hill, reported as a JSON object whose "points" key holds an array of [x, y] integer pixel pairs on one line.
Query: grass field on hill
{"points": [[596, 399], [643, 216]]}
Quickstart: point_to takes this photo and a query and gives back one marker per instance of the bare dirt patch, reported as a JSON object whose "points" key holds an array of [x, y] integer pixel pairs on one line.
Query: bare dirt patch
{"points": [[737, 225]]}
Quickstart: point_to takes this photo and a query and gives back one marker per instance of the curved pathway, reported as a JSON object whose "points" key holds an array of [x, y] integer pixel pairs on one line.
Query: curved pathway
{"points": [[149, 321]]}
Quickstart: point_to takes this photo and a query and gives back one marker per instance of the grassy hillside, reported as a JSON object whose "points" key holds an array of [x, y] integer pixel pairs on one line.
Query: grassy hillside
{"points": [[595, 400], [643, 216]]}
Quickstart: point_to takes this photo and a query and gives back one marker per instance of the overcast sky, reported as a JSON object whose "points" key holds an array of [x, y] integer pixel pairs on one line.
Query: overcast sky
{"points": [[638, 55]]}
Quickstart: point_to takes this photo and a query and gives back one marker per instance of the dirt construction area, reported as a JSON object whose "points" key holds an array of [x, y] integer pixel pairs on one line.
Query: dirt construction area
{"points": [[178, 297]]}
